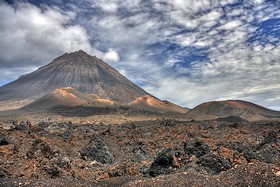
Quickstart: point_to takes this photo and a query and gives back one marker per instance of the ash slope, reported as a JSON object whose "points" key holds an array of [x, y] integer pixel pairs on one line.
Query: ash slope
{"points": [[78, 70], [152, 104], [243, 109], [66, 97]]}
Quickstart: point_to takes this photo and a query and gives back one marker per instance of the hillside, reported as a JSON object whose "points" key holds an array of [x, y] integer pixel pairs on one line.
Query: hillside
{"points": [[243, 109]]}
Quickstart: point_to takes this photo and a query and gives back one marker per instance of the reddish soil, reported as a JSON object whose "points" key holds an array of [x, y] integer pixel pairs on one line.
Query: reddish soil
{"points": [[63, 154]]}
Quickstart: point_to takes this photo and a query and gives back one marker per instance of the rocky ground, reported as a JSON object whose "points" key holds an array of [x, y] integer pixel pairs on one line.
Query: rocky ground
{"points": [[162, 152]]}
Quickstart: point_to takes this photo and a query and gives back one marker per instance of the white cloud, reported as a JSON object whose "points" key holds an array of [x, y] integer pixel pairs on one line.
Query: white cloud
{"points": [[227, 2], [191, 7], [231, 25], [154, 42], [32, 37], [256, 2], [111, 56]]}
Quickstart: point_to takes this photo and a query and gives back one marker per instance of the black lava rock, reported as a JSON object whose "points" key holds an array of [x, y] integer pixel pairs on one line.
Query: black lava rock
{"points": [[168, 122], [99, 151], [52, 171], [264, 151], [231, 119], [270, 138], [214, 163], [140, 153], [129, 126], [266, 154], [3, 173], [23, 126], [39, 148], [197, 148], [3, 139], [164, 163]]}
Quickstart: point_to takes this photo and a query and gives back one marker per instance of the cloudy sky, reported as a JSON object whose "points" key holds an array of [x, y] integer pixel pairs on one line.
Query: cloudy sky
{"points": [[185, 51]]}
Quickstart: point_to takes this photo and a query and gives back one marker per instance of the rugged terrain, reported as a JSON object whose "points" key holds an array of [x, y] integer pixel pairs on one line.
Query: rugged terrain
{"points": [[161, 150]]}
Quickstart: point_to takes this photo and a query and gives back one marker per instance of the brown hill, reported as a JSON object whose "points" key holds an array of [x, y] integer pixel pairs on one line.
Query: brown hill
{"points": [[153, 104], [84, 73], [67, 97], [221, 109]]}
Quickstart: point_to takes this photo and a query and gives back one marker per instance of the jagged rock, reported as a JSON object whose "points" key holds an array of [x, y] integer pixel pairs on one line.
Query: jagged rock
{"points": [[40, 148], [62, 162], [270, 138], [214, 163], [264, 151], [3, 173], [129, 126], [52, 171], [43, 124], [168, 122], [232, 155], [138, 150], [7, 149], [4, 140], [99, 151], [266, 154], [164, 163], [196, 147], [23, 126], [57, 128], [140, 153]]}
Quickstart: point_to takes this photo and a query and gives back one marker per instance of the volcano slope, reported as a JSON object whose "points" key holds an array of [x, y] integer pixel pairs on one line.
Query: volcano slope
{"points": [[221, 109], [66, 98], [82, 72], [153, 104]]}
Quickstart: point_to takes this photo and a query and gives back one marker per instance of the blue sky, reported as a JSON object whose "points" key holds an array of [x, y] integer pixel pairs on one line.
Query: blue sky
{"points": [[185, 51]]}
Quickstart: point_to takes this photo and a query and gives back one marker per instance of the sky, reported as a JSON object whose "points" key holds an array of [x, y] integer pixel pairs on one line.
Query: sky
{"points": [[185, 51]]}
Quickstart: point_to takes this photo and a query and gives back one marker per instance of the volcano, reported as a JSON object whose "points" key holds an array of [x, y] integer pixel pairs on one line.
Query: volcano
{"points": [[242, 109], [152, 104], [78, 70]]}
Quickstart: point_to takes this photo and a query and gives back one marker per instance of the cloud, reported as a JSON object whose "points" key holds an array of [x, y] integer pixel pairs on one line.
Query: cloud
{"points": [[32, 37], [184, 51], [231, 25], [111, 55], [7, 73]]}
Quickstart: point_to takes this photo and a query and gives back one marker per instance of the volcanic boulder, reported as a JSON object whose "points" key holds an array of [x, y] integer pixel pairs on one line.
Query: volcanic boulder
{"points": [[196, 147], [164, 163], [265, 151], [99, 151], [214, 163], [40, 148], [4, 140]]}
